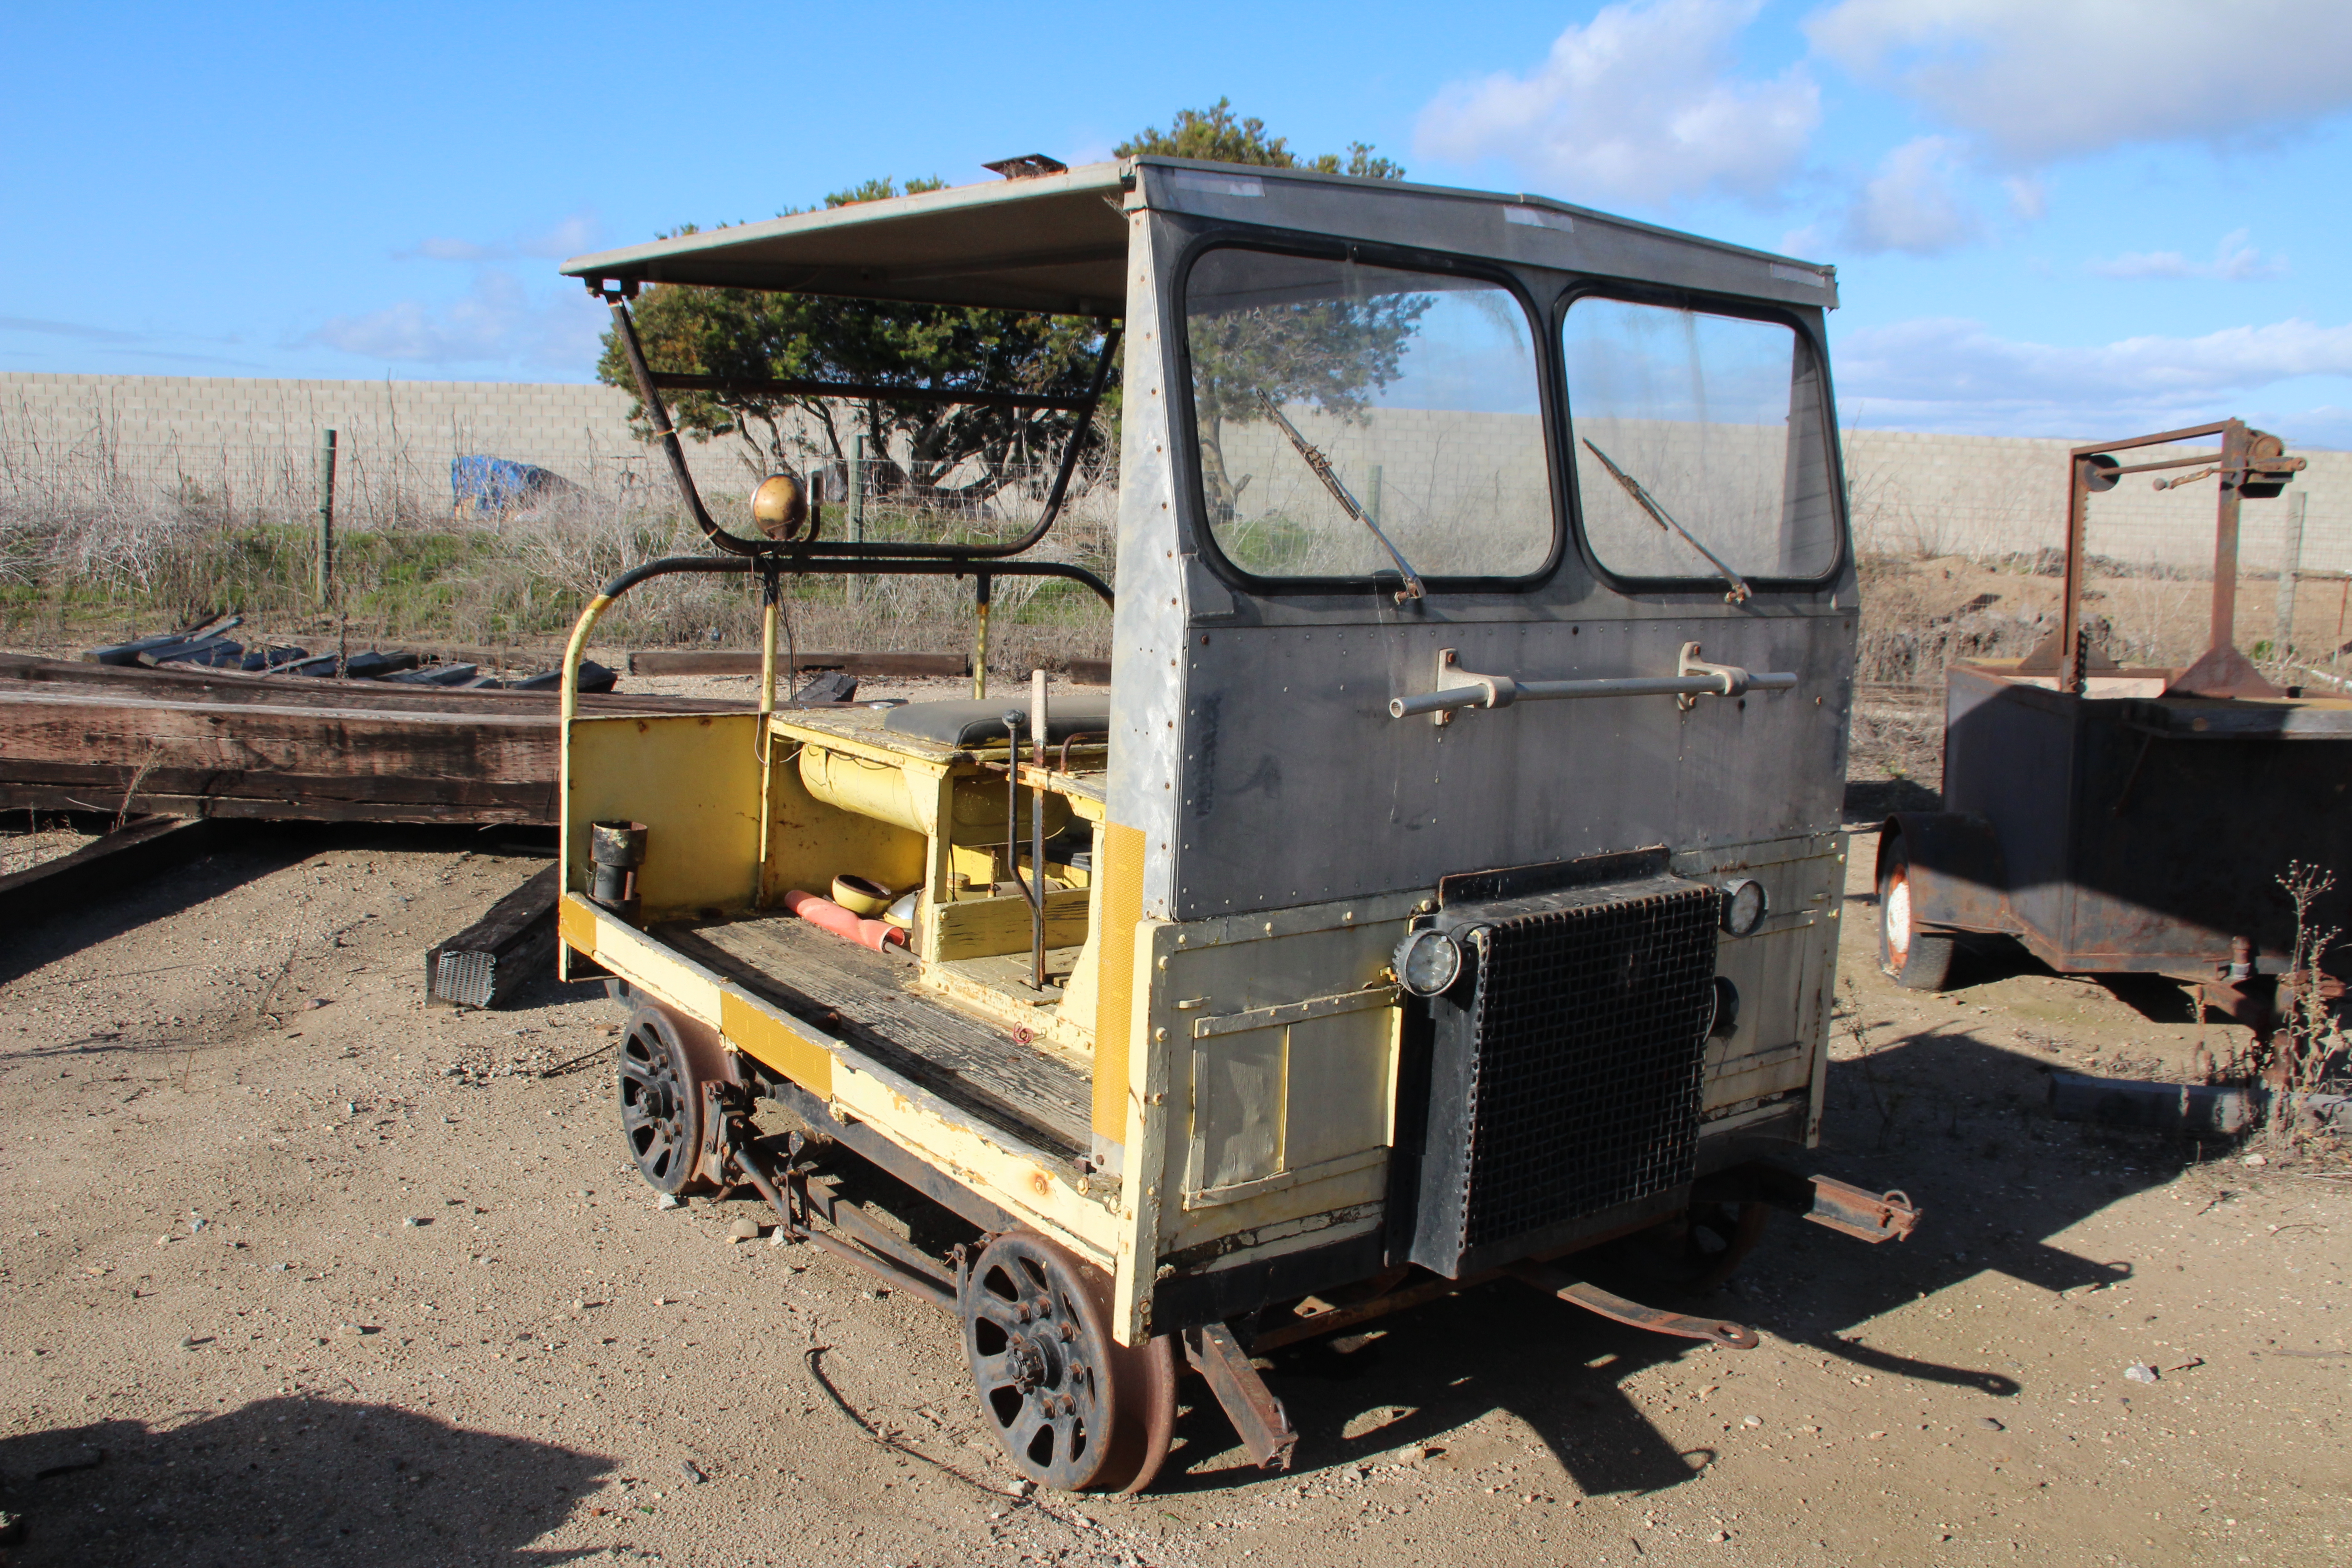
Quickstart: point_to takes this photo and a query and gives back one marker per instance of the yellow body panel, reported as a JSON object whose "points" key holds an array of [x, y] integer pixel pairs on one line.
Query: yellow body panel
{"points": [[978, 928], [764, 1037], [1120, 865], [694, 780]]}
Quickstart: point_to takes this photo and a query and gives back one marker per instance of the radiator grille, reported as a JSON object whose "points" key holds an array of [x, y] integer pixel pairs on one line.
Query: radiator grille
{"points": [[1578, 1060]]}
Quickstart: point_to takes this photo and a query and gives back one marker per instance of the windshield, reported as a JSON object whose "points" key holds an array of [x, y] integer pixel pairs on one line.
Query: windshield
{"points": [[1418, 391], [1717, 421]]}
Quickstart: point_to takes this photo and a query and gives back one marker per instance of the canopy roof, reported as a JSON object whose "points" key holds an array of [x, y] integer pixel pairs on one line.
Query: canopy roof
{"points": [[1057, 243]]}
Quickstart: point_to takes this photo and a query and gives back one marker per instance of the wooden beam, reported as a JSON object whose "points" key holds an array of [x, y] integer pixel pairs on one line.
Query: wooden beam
{"points": [[487, 962], [89, 737], [733, 661], [132, 853]]}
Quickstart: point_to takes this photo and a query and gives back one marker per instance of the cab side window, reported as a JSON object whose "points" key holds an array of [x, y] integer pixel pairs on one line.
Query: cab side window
{"points": [[1420, 391]]}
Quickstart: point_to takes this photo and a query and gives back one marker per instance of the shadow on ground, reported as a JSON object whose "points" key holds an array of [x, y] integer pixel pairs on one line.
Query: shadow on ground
{"points": [[248, 852], [1956, 1122], [288, 1481]]}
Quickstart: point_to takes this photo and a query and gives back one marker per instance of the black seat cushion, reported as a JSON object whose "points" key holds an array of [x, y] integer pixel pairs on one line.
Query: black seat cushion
{"points": [[968, 724]]}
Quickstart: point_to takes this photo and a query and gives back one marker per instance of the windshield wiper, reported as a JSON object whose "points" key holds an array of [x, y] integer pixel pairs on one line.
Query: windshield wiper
{"points": [[1315, 460], [1642, 498]]}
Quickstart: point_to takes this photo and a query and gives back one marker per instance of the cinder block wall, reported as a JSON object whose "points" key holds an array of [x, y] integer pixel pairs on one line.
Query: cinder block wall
{"points": [[1913, 493]]}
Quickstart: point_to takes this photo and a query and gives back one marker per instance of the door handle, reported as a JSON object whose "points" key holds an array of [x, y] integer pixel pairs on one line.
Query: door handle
{"points": [[1694, 677]]}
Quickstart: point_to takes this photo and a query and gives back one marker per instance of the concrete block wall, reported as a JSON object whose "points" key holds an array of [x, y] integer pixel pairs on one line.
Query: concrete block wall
{"points": [[257, 439], [1912, 493]]}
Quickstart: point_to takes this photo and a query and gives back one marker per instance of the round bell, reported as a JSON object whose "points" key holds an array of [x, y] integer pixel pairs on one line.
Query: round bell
{"points": [[779, 506]]}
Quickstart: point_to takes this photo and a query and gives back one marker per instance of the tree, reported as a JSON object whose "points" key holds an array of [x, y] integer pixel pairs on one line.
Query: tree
{"points": [[1215, 136], [931, 449], [935, 450]]}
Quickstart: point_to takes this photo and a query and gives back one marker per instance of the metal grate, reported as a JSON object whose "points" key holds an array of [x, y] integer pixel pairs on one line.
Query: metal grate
{"points": [[1589, 1027], [467, 979]]}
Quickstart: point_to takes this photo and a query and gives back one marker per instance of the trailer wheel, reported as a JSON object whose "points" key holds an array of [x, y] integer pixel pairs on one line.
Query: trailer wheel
{"points": [[1075, 1410], [661, 1104], [1913, 959]]}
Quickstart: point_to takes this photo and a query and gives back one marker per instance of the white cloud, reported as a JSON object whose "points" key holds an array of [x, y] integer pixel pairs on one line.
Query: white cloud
{"points": [[568, 237], [496, 321], [2234, 260], [2047, 79], [2029, 199], [1951, 374], [1639, 106], [1910, 205]]}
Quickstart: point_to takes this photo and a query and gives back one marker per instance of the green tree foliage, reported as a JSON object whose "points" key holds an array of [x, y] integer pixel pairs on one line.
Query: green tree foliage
{"points": [[1215, 136], [925, 448], [1329, 352]]}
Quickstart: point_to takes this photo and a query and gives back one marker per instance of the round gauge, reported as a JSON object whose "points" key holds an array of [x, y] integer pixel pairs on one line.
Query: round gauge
{"points": [[1743, 906], [1427, 962]]}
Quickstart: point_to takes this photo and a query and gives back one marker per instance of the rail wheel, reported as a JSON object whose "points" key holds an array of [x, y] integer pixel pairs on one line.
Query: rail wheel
{"points": [[1913, 959], [661, 1105], [1075, 1410]]}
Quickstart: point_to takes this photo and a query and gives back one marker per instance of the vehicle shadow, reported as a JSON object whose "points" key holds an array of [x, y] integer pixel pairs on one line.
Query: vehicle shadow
{"points": [[288, 1481], [1958, 1122]]}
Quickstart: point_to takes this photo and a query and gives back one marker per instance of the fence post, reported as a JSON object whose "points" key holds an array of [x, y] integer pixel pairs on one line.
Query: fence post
{"points": [[856, 506], [2290, 563], [326, 584], [1372, 491]]}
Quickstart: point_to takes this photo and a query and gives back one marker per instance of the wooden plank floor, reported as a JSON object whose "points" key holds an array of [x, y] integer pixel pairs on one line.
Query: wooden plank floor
{"points": [[867, 998]]}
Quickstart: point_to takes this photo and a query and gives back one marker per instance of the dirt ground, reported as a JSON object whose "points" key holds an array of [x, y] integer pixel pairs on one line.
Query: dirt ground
{"points": [[298, 1272]]}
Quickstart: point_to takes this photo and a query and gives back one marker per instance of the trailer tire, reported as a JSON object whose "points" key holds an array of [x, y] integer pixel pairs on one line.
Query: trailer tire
{"points": [[660, 1098], [1075, 1410], [1913, 959]]}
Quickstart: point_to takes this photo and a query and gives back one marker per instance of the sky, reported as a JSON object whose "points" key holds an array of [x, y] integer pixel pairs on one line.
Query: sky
{"points": [[2049, 217]]}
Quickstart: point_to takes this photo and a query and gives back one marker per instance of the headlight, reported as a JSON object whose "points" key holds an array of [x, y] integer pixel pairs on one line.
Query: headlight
{"points": [[1743, 906], [1427, 962]]}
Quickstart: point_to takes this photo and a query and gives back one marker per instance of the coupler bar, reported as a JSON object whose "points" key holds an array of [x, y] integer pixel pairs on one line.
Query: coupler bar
{"points": [[1860, 1213], [1558, 1281], [1847, 1209], [1256, 1415]]}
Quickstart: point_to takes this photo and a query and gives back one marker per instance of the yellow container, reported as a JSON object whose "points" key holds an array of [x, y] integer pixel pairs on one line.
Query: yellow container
{"points": [[861, 896]]}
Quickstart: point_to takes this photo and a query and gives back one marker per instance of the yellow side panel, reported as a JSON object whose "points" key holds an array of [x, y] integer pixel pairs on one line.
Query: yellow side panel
{"points": [[575, 923], [692, 779], [1122, 870], [770, 1041], [981, 928]]}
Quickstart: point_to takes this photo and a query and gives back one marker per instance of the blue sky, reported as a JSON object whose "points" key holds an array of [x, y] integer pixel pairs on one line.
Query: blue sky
{"points": [[2049, 217]]}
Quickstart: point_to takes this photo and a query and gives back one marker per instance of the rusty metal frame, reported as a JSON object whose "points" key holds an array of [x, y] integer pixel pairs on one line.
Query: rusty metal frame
{"points": [[1554, 1281], [1262, 1425], [2221, 671]]}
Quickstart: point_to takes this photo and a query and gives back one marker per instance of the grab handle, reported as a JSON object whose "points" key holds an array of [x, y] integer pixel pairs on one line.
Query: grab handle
{"points": [[1694, 679]]}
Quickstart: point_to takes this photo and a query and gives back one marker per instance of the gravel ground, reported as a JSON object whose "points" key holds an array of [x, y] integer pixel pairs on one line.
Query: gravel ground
{"points": [[298, 1272]]}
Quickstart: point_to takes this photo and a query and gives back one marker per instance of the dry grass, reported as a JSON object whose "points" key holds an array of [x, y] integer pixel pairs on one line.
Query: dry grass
{"points": [[90, 552]]}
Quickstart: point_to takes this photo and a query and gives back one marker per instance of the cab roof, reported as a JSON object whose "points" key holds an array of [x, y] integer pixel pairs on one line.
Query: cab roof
{"points": [[1058, 242]]}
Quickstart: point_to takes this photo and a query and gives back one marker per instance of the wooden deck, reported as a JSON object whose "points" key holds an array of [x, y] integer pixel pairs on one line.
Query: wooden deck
{"points": [[869, 999]]}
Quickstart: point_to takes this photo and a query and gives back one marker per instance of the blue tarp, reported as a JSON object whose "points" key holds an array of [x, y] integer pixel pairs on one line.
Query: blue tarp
{"points": [[498, 484]]}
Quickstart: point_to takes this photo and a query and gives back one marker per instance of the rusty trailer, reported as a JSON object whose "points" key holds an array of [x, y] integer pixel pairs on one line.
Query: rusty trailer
{"points": [[2118, 820]]}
